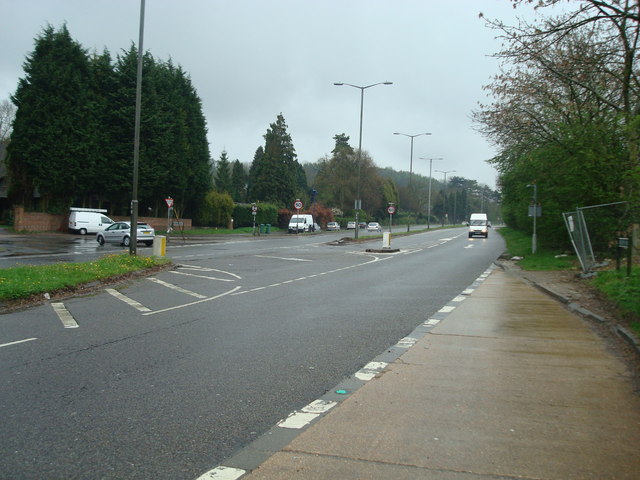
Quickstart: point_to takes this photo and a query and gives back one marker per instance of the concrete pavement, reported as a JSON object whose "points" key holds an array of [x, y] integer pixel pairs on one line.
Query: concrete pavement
{"points": [[503, 383]]}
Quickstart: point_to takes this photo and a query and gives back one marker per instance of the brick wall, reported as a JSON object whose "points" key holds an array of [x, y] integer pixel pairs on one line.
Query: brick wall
{"points": [[45, 222]]}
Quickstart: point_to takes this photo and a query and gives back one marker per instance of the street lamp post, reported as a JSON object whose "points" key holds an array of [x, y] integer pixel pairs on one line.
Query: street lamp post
{"points": [[362, 89], [411, 161], [136, 140], [429, 200], [445, 195], [534, 239]]}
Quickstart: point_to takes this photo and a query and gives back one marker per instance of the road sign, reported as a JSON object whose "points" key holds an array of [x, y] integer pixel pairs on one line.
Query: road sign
{"points": [[254, 208], [169, 202], [298, 205], [391, 209]]}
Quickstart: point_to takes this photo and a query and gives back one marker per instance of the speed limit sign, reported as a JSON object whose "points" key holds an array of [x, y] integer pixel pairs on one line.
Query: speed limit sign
{"points": [[298, 205], [391, 209]]}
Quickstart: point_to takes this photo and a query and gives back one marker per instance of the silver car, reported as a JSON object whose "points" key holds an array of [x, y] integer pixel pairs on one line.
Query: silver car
{"points": [[120, 233], [334, 226]]}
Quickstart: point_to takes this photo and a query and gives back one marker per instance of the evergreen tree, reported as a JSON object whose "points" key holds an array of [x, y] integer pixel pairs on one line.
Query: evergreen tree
{"points": [[52, 136], [238, 182], [276, 174], [74, 129], [342, 143], [223, 174], [253, 169]]}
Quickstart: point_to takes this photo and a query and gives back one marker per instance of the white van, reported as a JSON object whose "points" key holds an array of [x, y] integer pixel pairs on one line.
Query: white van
{"points": [[301, 223], [88, 220], [479, 225]]}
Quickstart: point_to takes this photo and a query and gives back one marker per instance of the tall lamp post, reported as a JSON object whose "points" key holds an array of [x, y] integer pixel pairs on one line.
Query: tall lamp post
{"points": [[429, 200], [445, 186], [411, 160], [534, 239], [136, 141], [358, 204]]}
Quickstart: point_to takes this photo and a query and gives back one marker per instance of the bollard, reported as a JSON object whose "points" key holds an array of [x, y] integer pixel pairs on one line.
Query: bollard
{"points": [[386, 240], [160, 246]]}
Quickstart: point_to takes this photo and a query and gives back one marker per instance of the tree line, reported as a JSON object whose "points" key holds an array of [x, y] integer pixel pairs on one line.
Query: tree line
{"points": [[71, 144], [72, 138], [565, 117], [335, 181]]}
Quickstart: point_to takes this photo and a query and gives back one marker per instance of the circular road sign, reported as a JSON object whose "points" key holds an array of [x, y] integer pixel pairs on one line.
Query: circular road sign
{"points": [[254, 208], [298, 205], [391, 209]]}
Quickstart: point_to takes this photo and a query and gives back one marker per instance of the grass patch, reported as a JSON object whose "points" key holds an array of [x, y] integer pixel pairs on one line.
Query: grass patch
{"points": [[22, 282], [519, 245], [623, 290]]}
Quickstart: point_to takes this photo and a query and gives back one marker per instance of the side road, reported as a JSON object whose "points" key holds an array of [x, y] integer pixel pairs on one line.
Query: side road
{"points": [[508, 385]]}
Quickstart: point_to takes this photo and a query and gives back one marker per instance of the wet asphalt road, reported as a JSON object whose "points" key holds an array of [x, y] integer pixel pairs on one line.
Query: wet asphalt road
{"points": [[209, 356]]}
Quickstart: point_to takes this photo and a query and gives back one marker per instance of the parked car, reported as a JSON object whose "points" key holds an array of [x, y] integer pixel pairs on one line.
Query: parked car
{"points": [[374, 227], [120, 233], [351, 225], [363, 224], [335, 226], [316, 227]]}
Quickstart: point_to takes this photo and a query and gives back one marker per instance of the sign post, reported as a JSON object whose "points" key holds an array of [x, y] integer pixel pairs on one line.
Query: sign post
{"points": [[298, 206], [391, 209], [254, 212], [169, 202]]}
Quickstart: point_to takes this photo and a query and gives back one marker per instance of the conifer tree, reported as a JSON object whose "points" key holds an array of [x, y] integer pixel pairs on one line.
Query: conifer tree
{"points": [[238, 182], [223, 174], [276, 175], [50, 145]]}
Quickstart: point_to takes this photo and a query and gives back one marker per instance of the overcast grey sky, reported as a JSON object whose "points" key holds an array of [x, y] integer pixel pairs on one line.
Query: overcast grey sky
{"points": [[250, 60]]}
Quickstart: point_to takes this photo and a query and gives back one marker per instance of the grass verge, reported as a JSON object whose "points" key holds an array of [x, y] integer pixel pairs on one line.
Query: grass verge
{"points": [[623, 290], [519, 245], [22, 282]]}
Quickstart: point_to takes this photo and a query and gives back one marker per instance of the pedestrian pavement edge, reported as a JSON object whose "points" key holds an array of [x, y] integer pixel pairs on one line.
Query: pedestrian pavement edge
{"points": [[283, 433]]}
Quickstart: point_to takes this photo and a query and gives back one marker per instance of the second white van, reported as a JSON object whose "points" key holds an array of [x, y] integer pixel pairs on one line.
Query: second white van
{"points": [[301, 223]]}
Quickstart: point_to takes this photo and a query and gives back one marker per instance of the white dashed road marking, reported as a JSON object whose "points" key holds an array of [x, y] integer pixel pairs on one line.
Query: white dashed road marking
{"points": [[223, 473], [176, 288], [208, 299], [63, 314], [301, 419], [370, 370], [206, 269], [128, 301], [17, 342], [284, 258], [203, 276]]}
